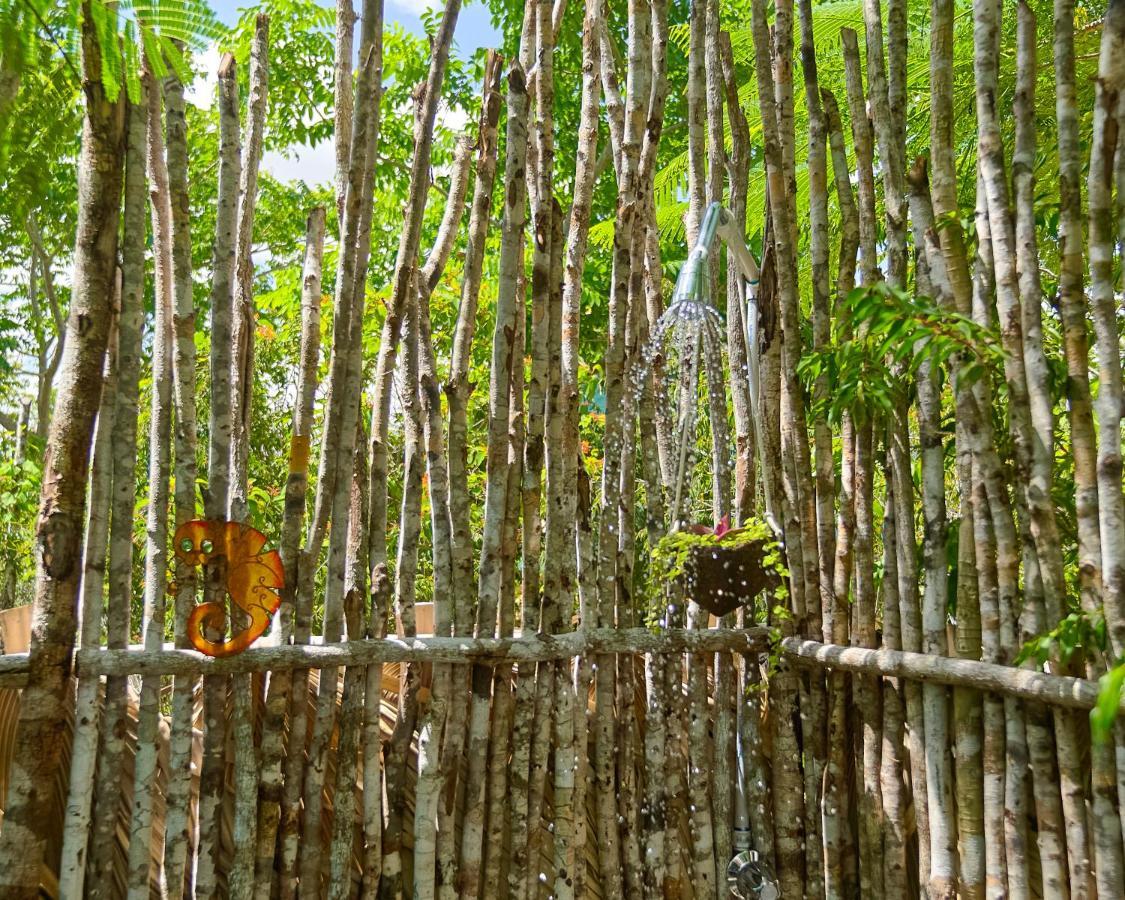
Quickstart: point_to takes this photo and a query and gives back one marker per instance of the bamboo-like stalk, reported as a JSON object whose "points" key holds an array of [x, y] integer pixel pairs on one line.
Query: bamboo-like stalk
{"points": [[156, 524], [405, 262], [501, 750], [242, 387], [488, 593], [1033, 461], [562, 480], [722, 810], [889, 126], [825, 480], [212, 777], [891, 784], [350, 726], [242, 332], [838, 841], [1072, 307], [696, 117], [343, 105], [1111, 504], [997, 564], [788, 791], [638, 111], [406, 568], [428, 97], [866, 691], [119, 589], [938, 775], [952, 269], [457, 393], [337, 457], [45, 701], [296, 489], [967, 707], [532, 717], [177, 835], [87, 707], [429, 775], [1107, 829]]}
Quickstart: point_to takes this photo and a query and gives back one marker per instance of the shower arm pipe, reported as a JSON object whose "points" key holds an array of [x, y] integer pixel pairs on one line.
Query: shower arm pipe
{"points": [[693, 284]]}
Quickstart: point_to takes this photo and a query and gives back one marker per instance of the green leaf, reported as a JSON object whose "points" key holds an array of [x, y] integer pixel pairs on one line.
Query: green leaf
{"points": [[1103, 716]]}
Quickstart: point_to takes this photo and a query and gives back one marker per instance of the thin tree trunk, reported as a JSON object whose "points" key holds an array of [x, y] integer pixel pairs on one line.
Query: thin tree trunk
{"points": [[243, 325], [488, 590], [46, 699], [788, 790], [825, 467], [967, 707], [1106, 826], [561, 571], [333, 497], [296, 490], [343, 106], [838, 840], [997, 565], [866, 690], [429, 774], [242, 391], [212, 777], [891, 783], [84, 750], [119, 590], [531, 731], [1033, 461], [156, 525], [178, 812], [1111, 505], [457, 392]]}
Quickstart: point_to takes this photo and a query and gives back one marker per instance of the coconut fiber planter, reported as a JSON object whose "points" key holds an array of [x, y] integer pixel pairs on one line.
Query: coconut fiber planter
{"points": [[727, 574]]}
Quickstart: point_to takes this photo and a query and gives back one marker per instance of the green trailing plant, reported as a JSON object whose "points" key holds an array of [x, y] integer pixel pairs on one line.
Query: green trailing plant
{"points": [[672, 560]]}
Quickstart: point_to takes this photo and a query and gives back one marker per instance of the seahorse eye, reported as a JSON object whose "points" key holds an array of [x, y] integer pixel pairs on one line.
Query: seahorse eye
{"points": [[186, 545], [206, 546]]}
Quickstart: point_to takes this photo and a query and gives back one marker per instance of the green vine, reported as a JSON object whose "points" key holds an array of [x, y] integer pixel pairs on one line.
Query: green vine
{"points": [[671, 555]]}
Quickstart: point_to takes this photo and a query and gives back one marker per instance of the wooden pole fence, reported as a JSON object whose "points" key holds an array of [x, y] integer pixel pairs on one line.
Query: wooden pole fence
{"points": [[1028, 684]]}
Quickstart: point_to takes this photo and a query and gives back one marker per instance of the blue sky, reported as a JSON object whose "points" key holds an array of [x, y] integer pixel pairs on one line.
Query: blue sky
{"points": [[474, 24], [315, 165]]}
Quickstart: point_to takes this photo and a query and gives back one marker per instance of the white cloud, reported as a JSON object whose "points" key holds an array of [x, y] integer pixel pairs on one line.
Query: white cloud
{"points": [[202, 91], [313, 165]]}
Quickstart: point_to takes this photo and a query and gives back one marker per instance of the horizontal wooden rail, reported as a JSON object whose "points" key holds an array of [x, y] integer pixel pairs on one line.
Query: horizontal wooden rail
{"points": [[530, 648], [1055, 690], [1029, 684]]}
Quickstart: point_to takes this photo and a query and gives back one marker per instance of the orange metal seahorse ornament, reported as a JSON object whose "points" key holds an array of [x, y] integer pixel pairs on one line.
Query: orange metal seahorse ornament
{"points": [[252, 579]]}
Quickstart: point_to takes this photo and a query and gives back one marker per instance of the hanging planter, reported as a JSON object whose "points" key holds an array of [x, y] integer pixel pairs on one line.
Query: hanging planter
{"points": [[721, 569]]}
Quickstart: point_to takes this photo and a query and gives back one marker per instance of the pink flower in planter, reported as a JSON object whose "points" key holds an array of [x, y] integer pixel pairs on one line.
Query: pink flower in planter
{"points": [[719, 530]]}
